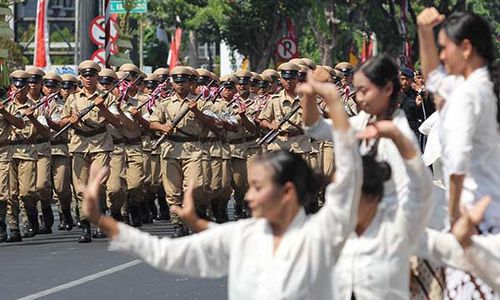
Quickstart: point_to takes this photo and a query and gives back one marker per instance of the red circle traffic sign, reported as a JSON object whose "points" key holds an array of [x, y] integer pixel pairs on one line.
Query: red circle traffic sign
{"points": [[97, 31], [99, 55], [287, 48]]}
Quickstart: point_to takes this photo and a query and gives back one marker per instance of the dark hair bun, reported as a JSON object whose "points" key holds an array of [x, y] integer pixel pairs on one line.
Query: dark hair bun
{"points": [[385, 170]]}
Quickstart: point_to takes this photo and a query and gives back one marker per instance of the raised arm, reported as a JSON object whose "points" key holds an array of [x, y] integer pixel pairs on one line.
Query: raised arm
{"points": [[426, 22], [205, 254], [337, 218]]}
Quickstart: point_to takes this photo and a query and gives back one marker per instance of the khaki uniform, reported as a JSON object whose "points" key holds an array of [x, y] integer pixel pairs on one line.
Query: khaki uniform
{"points": [[181, 153], [291, 137], [244, 149], [43, 164], [220, 163], [350, 105], [60, 160], [5, 157], [90, 141], [22, 175]]}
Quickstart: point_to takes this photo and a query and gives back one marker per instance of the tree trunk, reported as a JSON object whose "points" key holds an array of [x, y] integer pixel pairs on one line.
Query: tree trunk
{"points": [[193, 49]]}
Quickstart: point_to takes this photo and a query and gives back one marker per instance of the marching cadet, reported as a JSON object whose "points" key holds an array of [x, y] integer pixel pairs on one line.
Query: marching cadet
{"points": [[42, 145], [23, 165], [308, 62], [60, 161], [162, 74], [152, 158], [303, 73], [132, 133], [276, 80], [243, 86], [116, 185], [220, 155], [291, 136], [8, 120], [350, 105], [68, 87], [90, 141], [239, 141], [183, 150]]}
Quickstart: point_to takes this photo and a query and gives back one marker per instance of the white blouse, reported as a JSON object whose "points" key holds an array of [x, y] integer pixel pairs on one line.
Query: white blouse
{"points": [[300, 268], [397, 186], [481, 258], [375, 265], [469, 136]]}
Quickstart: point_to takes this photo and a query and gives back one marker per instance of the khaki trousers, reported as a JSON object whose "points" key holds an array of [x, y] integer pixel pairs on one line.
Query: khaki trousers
{"points": [[116, 186], [61, 172], [177, 174], [135, 178], [22, 177], [4, 188], [81, 169], [43, 183]]}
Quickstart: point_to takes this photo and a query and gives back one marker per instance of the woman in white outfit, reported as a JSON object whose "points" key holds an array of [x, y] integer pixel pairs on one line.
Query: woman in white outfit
{"points": [[280, 253], [469, 119]]}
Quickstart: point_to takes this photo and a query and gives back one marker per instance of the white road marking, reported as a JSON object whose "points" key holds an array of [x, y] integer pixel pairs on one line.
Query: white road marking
{"points": [[80, 281]]}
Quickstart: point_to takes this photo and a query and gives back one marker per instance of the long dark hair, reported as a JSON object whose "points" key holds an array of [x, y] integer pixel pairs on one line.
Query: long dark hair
{"points": [[374, 175], [290, 167], [464, 25], [381, 70]]}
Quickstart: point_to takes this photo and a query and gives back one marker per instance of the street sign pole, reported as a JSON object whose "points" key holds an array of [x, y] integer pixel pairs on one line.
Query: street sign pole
{"points": [[107, 35]]}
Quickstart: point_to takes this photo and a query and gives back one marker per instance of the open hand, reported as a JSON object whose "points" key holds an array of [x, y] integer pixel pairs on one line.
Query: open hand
{"points": [[465, 226], [90, 204]]}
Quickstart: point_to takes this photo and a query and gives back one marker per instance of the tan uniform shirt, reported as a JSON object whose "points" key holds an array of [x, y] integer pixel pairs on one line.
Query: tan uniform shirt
{"points": [[290, 137], [21, 139], [189, 127], [5, 131], [242, 139], [43, 148], [59, 146], [223, 112], [150, 137], [91, 123]]}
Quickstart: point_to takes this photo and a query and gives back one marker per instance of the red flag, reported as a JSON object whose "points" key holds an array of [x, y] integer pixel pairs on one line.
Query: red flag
{"points": [[364, 48], [41, 57], [175, 45]]}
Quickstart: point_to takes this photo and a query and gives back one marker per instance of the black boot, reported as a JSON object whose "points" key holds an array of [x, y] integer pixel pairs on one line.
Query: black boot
{"points": [[135, 214], [3, 231], [179, 231], [33, 227], [68, 219], [98, 234], [62, 222], [48, 221], [85, 237], [145, 214], [162, 203], [152, 207], [14, 236]]}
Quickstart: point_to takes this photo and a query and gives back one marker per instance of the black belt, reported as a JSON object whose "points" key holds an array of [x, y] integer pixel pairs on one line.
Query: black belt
{"points": [[289, 134], [182, 139], [94, 132], [40, 141], [59, 142], [21, 142], [134, 141], [243, 140], [210, 140], [118, 141]]}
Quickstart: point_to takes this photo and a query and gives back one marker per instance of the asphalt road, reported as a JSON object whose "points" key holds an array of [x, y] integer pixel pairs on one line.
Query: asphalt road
{"points": [[55, 266]]}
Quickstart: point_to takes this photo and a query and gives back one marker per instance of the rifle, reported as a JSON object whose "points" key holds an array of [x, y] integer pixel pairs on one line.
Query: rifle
{"points": [[9, 98], [158, 90], [271, 135], [87, 109], [44, 100], [177, 120]]}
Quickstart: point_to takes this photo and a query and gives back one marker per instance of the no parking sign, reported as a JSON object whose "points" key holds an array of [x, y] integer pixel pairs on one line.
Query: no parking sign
{"points": [[287, 48], [97, 31]]}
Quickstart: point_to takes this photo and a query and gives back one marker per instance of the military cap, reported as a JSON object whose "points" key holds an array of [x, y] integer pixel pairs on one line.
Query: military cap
{"points": [[344, 67], [256, 77], [88, 67], [271, 72], [131, 68], [296, 61], [204, 76], [214, 76], [264, 81], [303, 69], [289, 70], [204, 72], [267, 78], [161, 71], [107, 76], [243, 76], [51, 79], [120, 75], [19, 78], [35, 72], [407, 72], [152, 77], [69, 81], [142, 75], [69, 78], [308, 62], [181, 74], [229, 78]]}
